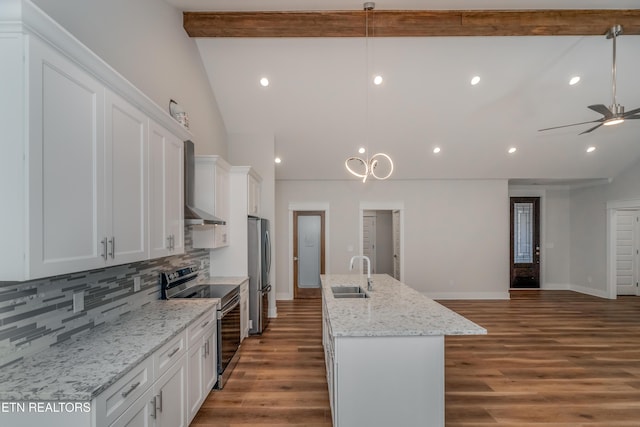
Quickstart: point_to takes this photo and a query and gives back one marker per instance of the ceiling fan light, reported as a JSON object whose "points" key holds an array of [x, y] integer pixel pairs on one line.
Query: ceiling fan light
{"points": [[614, 121]]}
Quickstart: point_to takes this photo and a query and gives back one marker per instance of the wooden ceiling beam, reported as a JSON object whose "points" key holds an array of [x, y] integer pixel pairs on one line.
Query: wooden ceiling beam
{"points": [[411, 23]]}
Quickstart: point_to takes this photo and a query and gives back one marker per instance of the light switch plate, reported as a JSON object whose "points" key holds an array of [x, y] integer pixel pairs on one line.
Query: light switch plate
{"points": [[78, 302], [136, 284]]}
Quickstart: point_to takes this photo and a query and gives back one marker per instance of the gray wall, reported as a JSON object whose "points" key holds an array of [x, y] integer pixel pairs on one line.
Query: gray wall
{"points": [[456, 235], [144, 41]]}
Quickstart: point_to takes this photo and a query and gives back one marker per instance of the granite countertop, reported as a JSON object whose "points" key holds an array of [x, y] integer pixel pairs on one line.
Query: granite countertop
{"points": [[81, 368], [222, 280], [392, 309]]}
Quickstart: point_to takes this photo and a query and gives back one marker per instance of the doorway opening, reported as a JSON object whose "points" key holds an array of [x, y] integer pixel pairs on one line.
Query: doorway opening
{"points": [[308, 253], [525, 242], [381, 241]]}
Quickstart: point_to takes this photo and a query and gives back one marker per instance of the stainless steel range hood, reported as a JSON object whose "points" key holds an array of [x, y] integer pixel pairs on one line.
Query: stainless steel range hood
{"points": [[193, 215]]}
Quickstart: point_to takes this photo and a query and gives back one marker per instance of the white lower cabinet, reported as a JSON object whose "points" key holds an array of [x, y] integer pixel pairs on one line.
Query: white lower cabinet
{"points": [[202, 362]]}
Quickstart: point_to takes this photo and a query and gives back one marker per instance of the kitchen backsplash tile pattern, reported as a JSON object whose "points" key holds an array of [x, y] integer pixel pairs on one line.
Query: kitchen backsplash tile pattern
{"points": [[38, 314]]}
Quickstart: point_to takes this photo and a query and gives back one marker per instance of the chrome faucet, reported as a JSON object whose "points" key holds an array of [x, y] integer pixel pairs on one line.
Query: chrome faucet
{"points": [[364, 257]]}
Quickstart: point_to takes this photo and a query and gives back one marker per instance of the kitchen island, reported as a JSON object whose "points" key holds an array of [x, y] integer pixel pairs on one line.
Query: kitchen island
{"points": [[384, 353]]}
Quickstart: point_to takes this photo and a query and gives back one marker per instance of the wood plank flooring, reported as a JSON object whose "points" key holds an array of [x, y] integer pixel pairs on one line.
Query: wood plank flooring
{"points": [[551, 359], [280, 377]]}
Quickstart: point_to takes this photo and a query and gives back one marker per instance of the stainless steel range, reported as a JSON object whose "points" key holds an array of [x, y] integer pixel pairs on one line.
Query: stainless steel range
{"points": [[182, 283]]}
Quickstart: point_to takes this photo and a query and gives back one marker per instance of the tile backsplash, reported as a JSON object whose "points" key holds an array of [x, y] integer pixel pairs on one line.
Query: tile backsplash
{"points": [[38, 314]]}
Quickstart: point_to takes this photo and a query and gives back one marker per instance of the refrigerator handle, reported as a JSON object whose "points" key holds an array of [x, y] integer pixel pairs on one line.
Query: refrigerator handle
{"points": [[267, 245]]}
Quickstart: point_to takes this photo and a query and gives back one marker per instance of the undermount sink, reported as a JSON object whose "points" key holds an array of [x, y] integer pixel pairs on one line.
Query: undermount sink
{"points": [[348, 292]]}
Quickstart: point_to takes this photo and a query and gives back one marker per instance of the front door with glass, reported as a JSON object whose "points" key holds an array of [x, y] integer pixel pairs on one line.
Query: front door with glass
{"points": [[525, 242]]}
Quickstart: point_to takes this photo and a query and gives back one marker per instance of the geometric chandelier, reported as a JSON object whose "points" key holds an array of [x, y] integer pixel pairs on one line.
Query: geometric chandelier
{"points": [[363, 168]]}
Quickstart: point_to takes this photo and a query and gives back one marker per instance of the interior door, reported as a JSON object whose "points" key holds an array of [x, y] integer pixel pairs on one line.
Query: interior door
{"points": [[308, 253], [525, 242], [396, 244], [369, 239], [627, 244]]}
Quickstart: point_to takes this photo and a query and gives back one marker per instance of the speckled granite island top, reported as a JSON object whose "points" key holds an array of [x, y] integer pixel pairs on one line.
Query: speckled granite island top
{"points": [[392, 309], [81, 368]]}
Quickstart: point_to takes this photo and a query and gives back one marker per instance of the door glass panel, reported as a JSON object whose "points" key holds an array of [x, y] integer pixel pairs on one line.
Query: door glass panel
{"points": [[309, 250], [522, 233]]}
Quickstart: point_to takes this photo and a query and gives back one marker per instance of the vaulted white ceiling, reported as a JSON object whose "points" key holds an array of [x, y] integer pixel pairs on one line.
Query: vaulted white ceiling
{"points": [[317, 110]]}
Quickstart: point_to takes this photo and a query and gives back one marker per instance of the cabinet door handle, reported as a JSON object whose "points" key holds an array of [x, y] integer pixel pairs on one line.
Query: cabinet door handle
{"points": [[175, 350], [205, 323], [133, 387], [112, 242], [103, 242], [158, 400], [206, 348], [169, 242], [153, 407]]}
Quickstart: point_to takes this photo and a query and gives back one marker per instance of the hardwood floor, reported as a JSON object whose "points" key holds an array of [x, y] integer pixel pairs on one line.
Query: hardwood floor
{"points": [[551, 359], [280, 377]]}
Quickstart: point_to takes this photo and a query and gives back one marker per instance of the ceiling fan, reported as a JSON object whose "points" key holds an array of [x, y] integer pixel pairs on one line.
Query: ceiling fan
{"points": [[614, 114]]}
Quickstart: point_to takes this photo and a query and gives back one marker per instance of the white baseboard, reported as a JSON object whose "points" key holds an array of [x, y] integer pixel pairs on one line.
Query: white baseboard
{"points": [[273, 312], [556, 286], [466, 295], [600, 293]]}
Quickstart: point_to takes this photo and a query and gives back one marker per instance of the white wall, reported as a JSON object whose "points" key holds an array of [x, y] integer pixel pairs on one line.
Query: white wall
{"points": [[589, 229], [456, 235], [557, 239], [258, 151], [144, 41]]}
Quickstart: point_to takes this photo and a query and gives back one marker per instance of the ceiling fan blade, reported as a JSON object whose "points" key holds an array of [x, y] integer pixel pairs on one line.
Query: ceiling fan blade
{"points": [[632, 117], [602, 109], [631, 113], [592, 129], [573, 124]]}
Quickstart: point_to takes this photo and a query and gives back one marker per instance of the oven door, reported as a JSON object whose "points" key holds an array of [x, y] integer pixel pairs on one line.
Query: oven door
{"points": [[229, 336]]}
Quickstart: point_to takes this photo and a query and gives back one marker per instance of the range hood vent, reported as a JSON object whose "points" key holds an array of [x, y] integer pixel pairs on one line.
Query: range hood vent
{"points": [[193, 215]]}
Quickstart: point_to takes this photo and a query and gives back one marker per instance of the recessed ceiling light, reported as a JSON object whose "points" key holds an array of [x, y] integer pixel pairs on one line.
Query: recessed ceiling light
{"points": [[377, 80], [574, 80], [361, 150], [264, 82], [591, 149], [436, 150], [512, 150], [278, 160], [475, 80]]}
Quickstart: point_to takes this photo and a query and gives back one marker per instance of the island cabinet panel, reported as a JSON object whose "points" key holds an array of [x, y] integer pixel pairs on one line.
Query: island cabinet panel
{"points": [[384, 381]]}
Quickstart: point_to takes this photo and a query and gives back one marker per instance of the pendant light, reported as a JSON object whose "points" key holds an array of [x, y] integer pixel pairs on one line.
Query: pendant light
{"points": [[357, 166]]}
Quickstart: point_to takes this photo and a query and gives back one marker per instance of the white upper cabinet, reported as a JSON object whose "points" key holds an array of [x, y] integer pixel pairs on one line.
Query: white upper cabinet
{"points": [[212, 194], [126, 184], [254, 194], [65, 160], [74, 163], [166, 192]]}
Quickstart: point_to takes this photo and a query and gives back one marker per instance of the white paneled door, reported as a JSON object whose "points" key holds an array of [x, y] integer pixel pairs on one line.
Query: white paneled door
{"points": [[627, 248]]}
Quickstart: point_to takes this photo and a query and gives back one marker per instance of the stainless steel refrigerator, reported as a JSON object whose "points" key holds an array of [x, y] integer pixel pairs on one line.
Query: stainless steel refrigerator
{"points": [[259, 269]]}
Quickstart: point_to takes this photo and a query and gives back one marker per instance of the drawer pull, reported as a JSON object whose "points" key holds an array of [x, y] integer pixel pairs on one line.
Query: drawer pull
{"points": [[206, 323], [175, 350], [128, 392]]}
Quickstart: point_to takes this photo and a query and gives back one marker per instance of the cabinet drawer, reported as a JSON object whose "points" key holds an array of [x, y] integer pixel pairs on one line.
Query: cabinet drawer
{"points": [[111, 403], [166, 356], [197, 329]]}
